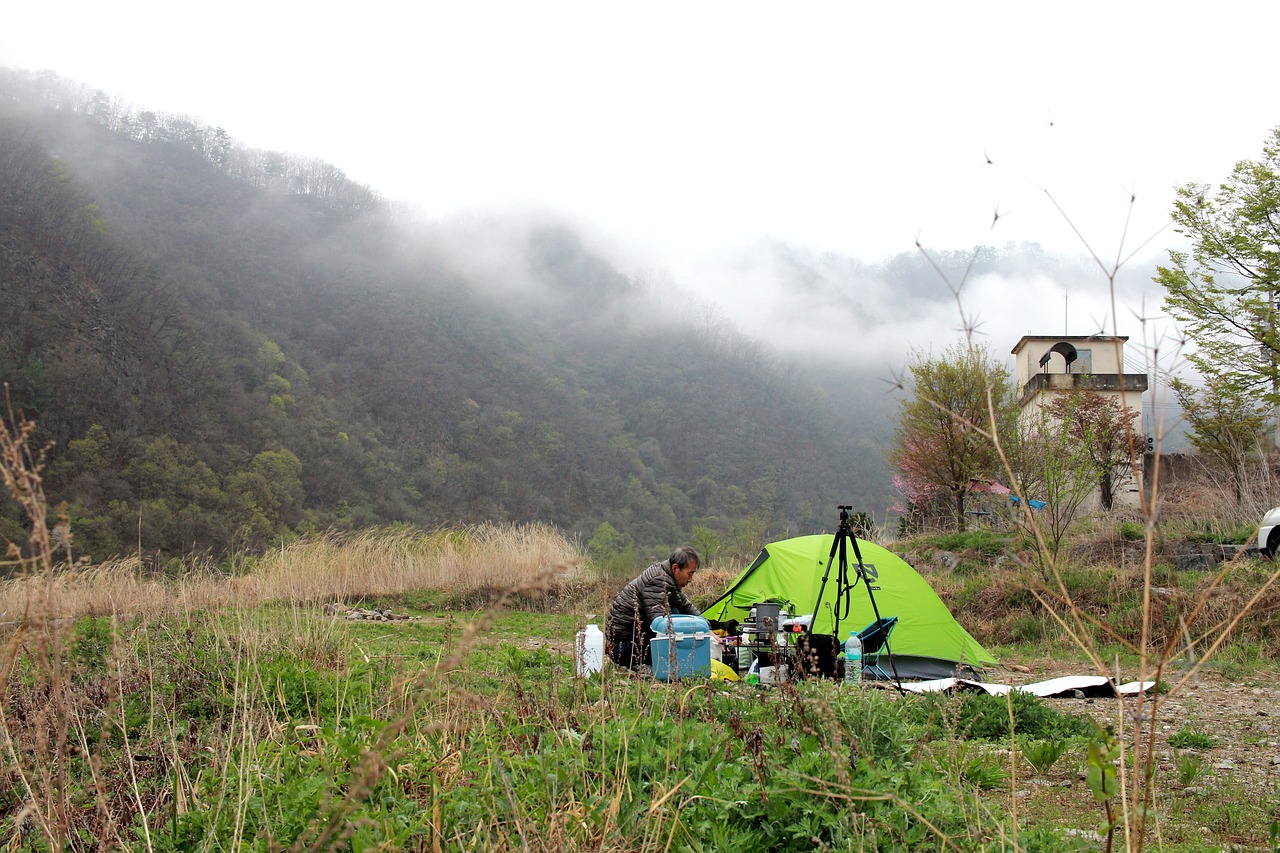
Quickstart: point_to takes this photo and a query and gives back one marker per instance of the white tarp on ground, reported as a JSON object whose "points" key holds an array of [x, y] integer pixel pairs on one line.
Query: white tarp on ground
{"points": [[1066, 687]]}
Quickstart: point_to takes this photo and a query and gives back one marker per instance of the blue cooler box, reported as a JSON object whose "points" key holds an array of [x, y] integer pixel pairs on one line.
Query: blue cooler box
{"points": [[680, 647]]}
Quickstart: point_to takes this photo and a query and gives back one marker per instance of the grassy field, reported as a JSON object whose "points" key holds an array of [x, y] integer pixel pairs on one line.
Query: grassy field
{"points": [[240, 707], [202, 713]]}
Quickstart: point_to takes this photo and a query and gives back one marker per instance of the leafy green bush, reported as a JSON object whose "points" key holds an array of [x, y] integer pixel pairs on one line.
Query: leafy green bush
{"points": [[91, 641], [1237, 536], [1131, 531], [985, 542], [1043, 754], [984, 773], [296, 788], [981, 716]]}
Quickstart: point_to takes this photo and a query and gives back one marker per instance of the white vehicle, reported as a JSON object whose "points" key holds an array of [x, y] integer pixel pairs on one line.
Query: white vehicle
{"points": [[1269, 533]]}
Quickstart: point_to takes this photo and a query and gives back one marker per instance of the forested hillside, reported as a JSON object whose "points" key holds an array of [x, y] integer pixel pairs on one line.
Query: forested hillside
{"points": [[224, 347]]}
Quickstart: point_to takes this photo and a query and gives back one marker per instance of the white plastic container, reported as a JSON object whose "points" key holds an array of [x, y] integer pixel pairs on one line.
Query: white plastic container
{"points": [[589, 650], [779, 674]]}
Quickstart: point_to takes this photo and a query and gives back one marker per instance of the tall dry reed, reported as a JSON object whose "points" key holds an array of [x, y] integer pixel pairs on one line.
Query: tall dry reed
{"points": [[346, 567], [329, 567]]}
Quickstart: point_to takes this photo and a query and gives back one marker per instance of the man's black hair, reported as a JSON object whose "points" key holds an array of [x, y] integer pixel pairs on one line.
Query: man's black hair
{"points": [[682, 555]]}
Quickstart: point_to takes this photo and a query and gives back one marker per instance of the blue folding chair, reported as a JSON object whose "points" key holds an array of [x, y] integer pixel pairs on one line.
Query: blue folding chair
{"points": [[875, 637]]}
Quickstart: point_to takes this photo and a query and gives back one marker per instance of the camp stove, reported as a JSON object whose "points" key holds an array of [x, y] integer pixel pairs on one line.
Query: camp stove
{"points": [[762, 636], [765, 619]]}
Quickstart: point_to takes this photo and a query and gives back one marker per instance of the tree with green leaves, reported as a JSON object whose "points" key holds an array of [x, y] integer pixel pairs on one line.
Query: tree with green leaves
{"points": [[1224, 291], [1227, 426], [1054, 468], [1106, 430], [944, 438], [1073, 447]]}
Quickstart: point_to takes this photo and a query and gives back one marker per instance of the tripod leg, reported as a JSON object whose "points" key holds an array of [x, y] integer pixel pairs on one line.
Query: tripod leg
{"points": [[823, 660]]}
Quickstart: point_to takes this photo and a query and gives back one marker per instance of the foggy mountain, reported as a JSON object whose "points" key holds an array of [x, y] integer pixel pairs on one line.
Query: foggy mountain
{"points": [[225, 346]]}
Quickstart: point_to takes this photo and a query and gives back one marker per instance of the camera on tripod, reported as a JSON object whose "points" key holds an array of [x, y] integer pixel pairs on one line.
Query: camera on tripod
{"points": [[845, 582]]}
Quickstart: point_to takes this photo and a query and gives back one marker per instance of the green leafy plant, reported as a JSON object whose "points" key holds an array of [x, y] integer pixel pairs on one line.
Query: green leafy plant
{"points": [[966, 765], [985, 542], [1104, 750], [1043, 754], [979, 716], [91, 642], [983, 773], [1190, 768], [1191, 738], [1238, 536], [1131, 531]]}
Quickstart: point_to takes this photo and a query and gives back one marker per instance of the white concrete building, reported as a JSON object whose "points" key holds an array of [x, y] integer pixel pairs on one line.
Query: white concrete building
{"points": [[1046, 364]]}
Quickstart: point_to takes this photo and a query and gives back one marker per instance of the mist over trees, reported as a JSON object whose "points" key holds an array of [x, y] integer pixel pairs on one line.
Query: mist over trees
{"points": [[225, 347]]}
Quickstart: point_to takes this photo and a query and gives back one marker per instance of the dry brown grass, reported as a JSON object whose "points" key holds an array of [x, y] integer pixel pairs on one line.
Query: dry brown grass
{"points": [[387, 562], [329, 567], [117, 586], [711, 581], [1201, 495]]}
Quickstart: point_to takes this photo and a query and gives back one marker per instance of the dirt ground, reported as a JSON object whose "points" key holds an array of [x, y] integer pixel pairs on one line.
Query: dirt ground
{"points": [[1243, 722], [1243, 719]]}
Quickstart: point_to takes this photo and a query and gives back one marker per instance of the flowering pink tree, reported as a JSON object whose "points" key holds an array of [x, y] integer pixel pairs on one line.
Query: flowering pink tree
{"points": [[916, 501]]}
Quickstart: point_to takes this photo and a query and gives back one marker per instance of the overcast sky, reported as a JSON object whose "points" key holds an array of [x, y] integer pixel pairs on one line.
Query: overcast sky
{"points": [[684, 127]]}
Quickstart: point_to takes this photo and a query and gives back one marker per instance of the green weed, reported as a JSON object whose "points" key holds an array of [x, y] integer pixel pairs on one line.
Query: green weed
{"points": [[1190, 768], [979, 716], [1191, 738], [1043, 754], [986, 543], [1131, 531]]}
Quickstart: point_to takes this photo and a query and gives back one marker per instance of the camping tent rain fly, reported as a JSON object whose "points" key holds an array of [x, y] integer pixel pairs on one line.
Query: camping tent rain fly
{"points": [[927, 642]]}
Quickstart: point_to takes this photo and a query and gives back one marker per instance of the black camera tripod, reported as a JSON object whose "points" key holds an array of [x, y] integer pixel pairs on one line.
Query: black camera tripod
{"points": [[844, 586]]}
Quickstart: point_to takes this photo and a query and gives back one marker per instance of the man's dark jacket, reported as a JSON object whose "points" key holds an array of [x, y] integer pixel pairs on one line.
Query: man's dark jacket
{"points": [[654, 593]]}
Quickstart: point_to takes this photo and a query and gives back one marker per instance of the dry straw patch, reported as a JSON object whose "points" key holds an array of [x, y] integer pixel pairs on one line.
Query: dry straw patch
{"points": [[116, 586], [328, 567], [342, 567], [711, 581]]}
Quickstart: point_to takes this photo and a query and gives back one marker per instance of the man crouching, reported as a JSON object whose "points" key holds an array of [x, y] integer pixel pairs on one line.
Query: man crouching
{"points": [[656, 592]]}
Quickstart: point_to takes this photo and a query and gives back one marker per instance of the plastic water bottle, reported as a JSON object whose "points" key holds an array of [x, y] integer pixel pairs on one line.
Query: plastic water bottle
{"points": [[589, 646], [853, 660]]}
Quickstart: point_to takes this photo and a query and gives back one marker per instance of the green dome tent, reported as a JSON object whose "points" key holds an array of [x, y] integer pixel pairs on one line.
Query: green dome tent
{"points": [[926, 643]]}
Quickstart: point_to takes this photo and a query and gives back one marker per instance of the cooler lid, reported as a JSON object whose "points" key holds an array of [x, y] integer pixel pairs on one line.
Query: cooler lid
{"points": [[679, 624]]}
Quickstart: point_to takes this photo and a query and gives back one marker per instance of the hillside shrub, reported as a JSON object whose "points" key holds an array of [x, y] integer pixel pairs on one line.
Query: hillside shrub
{"points": [[1241, 535], [986, 543], [1131, 531]]}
